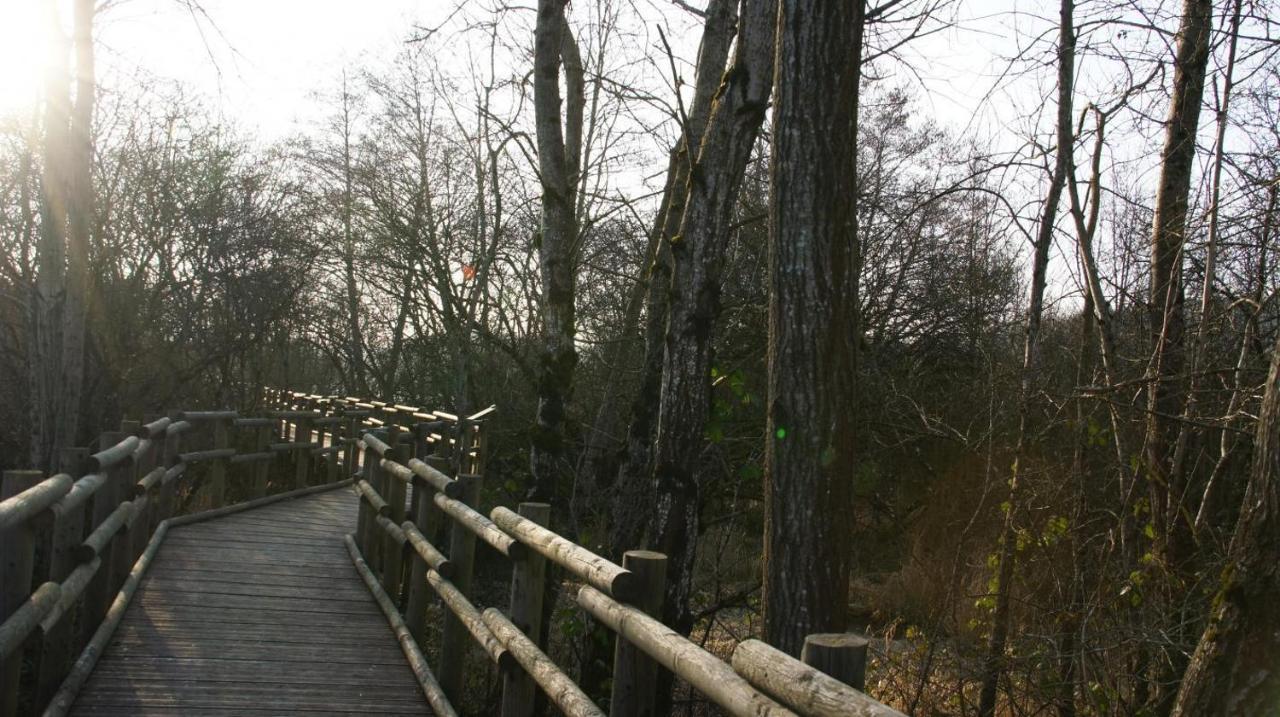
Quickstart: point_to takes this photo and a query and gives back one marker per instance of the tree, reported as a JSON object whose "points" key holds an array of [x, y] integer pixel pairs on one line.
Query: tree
{"points": [[1233, 670], [559, 154], [697, 252], [1031, 362], [813, 323]]}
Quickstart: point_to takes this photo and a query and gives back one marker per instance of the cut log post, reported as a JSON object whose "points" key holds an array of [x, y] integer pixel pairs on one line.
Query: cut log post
{"points": [[142, 458], [462, 552], [261, 469], [68, 532], [841, 655], [17, 559], [302, 470], [635, 675], [97, 596], [218, 471], [366, 513], [349, 436], [169, 457], [528, 582], [396, 494], [419, 595], [805, 687]]}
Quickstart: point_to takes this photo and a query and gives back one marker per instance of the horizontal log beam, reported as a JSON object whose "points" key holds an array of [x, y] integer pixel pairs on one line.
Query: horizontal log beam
{"points": [[701, 669], [554, 682], [112, 456], [595, 570], [483, 528], [16, 510], [808, 690], [27, 617]]}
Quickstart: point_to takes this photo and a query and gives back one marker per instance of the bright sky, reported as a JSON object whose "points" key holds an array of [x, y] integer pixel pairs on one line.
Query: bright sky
{"points": [[258, 61]]}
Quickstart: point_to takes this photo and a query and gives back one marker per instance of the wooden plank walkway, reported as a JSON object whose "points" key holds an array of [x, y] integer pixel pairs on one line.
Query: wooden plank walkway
{"points": [[258, 612]]}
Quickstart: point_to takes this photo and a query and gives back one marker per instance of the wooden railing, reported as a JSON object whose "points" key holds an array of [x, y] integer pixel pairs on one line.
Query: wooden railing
{"points": [[407, 499], [73, 546]]}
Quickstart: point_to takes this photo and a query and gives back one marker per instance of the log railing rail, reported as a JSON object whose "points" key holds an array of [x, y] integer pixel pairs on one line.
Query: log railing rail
{"points": [[75, 547], [408, 464]]}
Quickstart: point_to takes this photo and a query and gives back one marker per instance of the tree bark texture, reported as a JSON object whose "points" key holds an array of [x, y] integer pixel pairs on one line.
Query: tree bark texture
{"points": [[813, 326], [1236, 666], [632, 487], [697, 252], [559, 148], [49, 297]]}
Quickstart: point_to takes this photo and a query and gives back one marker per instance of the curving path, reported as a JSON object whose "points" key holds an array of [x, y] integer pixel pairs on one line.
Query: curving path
{"points": [[255, 613]]}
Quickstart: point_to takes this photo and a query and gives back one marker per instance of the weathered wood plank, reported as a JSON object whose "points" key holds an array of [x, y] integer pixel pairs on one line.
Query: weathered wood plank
{"points": [[256, 612]]}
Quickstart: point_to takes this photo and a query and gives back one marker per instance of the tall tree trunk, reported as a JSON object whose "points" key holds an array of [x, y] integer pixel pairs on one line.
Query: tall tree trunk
{"points": [[1165, 383], [355, 338], [632, 487], [559, 149], [1165, 392], [80, 219], [1234, 668], [45, 360], [813, 322], [993, 667], [697, 253]]}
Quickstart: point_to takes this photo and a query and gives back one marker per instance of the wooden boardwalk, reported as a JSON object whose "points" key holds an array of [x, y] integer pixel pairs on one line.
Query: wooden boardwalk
{"points": [[259, 612]]}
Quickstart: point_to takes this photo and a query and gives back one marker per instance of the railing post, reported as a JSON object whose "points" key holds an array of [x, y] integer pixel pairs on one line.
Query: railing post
{"points": [[137, 470], [97, 594], [365, 517], [424, 512], [393, 551], [17, 559], [68, 532], [841, 655], [218, 469], [350, 427], [262, 443], [528, 579], [168, 491], [635, 675], [462, 553], [302, 471]]}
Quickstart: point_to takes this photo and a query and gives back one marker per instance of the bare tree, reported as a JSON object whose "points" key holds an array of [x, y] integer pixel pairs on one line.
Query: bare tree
{"points": [[559, 154]]}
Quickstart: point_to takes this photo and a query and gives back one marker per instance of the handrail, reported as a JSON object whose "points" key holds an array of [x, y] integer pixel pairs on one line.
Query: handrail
{"points": [[742, 688], [94, 522]]}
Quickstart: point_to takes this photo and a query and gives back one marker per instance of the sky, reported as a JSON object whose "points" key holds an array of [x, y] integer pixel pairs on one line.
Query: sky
{"points": [[259, 61]]}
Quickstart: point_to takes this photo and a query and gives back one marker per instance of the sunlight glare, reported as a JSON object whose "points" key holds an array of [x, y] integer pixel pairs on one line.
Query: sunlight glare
{"points": [[23, 29]]}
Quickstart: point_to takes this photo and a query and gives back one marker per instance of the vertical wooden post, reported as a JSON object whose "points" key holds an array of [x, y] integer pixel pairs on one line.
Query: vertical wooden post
{"points": [[218, 469], [352, 432], [365, 516], [97, 594], [635, 675], [302, 471], [137, 539], [841, 655], [419, 594], [528, 582], [172, 444], [462, 553], [261, 468], [392, 551], [17, 559], [68, 532]]}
